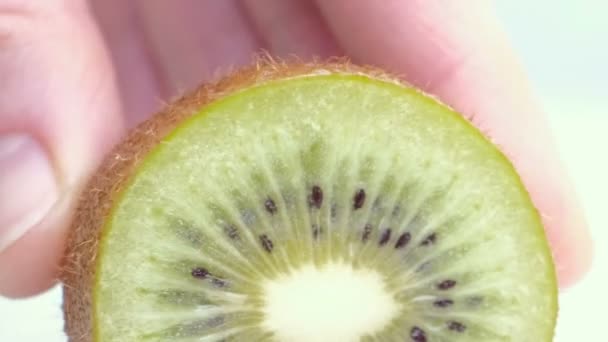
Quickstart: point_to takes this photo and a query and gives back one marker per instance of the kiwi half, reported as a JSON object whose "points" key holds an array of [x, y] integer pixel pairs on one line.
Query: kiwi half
{"points": [[308, 202]]}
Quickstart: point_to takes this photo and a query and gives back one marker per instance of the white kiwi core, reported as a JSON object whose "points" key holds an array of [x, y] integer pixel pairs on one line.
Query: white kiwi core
{"points": [[333, 303]]}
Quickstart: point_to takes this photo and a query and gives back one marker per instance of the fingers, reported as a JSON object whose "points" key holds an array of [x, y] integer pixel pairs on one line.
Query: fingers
{"points": [[194, 40], [291, 28], [138, 75], [173, 47], [59, 113], [459, 53]]}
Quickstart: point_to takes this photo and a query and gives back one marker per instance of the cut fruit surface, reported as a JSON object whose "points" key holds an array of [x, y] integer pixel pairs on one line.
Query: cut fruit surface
{"points": [[305, 185]]}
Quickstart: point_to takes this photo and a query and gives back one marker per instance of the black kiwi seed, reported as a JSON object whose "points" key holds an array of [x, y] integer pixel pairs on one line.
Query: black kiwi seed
{"points": [[385, 237], [315, 199], [446, 284], [271, 207], [359, 199], [200, 273], [403, 240], [456, 326], [232, 232], [367, 230], [417, 335], [443, 303], [203, 273], [429, 240], [266, 243]]}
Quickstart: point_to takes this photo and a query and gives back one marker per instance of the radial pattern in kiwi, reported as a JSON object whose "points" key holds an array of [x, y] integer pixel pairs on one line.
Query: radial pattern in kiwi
{"points": [[341, 171]]}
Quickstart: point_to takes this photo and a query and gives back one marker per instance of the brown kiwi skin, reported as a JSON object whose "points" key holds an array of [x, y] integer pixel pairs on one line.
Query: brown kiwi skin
{"points": [[79, 263]]}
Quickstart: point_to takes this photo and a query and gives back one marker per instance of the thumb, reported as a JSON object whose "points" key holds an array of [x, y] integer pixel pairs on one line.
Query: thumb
{"points": [[59, 113]]}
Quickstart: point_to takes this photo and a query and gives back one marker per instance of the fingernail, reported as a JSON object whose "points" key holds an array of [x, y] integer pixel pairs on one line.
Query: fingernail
{"points": [[28, 188]]}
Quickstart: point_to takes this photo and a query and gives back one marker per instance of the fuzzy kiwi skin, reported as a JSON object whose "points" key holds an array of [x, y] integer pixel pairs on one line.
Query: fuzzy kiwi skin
{"points": [[80, 258]]}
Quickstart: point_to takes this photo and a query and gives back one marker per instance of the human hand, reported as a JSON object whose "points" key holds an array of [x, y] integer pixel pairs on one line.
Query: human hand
{"points": [[66, 96]]}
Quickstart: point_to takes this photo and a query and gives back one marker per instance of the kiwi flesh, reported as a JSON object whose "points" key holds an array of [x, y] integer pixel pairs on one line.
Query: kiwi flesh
{"points": [[308, 202]]}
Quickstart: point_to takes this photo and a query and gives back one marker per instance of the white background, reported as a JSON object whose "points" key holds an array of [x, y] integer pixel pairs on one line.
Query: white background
{"points": [[564, 45]]}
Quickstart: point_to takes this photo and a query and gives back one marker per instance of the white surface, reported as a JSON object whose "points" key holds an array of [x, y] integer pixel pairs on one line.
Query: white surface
{"points": [[583, 144], [563, 44]]}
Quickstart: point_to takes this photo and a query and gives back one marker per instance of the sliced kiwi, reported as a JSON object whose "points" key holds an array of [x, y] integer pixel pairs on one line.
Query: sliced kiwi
{"points": [[308, 203]]}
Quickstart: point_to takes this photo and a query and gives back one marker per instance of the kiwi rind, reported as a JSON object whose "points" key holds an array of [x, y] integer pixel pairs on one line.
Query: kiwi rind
{"points": [[115, 173]]}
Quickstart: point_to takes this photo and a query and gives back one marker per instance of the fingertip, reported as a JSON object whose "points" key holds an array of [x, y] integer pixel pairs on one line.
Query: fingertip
{"points": [[563, 216], [569, 237]]}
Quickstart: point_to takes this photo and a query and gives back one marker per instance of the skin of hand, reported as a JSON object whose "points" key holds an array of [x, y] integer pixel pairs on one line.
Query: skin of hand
{"points": [[76, 74]]}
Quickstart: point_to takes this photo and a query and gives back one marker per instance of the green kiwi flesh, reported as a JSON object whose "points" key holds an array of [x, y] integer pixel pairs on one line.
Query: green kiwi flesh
{"points": [[326, 206]]}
